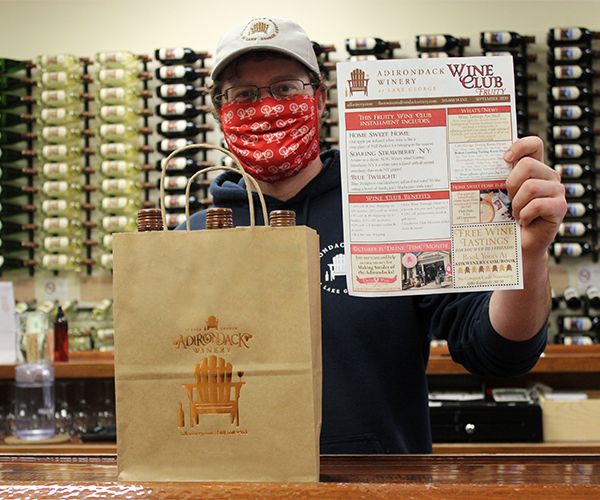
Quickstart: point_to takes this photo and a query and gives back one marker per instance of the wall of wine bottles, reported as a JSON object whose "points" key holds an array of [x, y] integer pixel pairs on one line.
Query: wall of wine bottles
{"points": [[83, 140]]}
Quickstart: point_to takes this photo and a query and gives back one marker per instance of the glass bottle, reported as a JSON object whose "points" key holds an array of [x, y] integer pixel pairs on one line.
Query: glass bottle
{"points": [[61, 337], [571, 54], [61, 262], [120, 77], [356, 46], [119, 113], [167, 146], [61, 171], [122, 59], [578, 209], [118, 223], [572, 298], [118, 132], [570, 249], [65, 208], [178, 109], [63, 244], [180, 92], [13, 65], [121, 95], [181, 128], [57, 62], [59, 98], [120, 187], [13, 119], [34, 401], [439, 42], [120, 151], [103, 310], [62, 189], [62, 226], [9, 263], [120, 168], [9, 172], [120, 205], [61, 80], [576, 229], [504, 38], [57, 116], [177, 55], [573, 170], [592, 294], [570, 35], [9, 84], [180, 73]]}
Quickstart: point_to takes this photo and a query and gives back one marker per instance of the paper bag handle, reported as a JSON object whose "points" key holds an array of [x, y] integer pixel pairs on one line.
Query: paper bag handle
{"points": [[240, 170]]}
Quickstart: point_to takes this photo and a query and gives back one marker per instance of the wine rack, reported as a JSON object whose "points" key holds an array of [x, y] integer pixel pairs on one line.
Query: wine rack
{"points": [[429, 46], [329, 122]]}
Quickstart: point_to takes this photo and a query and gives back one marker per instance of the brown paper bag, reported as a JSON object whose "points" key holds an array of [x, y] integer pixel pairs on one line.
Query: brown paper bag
{"points": [[217, 354]]}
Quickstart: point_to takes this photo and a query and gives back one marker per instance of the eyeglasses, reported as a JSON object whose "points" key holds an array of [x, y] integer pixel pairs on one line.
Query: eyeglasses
{"points": [[279, 90]]}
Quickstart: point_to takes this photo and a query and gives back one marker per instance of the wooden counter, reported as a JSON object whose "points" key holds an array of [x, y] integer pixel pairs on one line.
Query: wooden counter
{"points": [[427, 477]]}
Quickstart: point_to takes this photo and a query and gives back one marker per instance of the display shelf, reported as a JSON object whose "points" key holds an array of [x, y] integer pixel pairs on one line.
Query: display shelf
{"points": [[80, 365]]}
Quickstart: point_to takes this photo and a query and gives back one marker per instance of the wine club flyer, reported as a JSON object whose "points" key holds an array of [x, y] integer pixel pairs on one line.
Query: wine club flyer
{"points": [[425, 204]]}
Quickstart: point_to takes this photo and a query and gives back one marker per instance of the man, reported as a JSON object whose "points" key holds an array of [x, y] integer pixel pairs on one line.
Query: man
{"points": [[375, 350]]}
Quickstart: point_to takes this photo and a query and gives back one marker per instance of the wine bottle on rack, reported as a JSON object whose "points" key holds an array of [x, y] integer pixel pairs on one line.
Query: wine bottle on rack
{"points": [[570, 249], [8, 209], [9, 191], [8, 138], [492, 39], [574, 170], [63, 226], [121, 151], [573, 72], [119, 223], [109, 96], [122, 59], [180, 73], [167, 146], [177, 55], [120, 169], [61, 171], [59, 98], [57, 62], [574, 339], [7, 246], [571, 150], [376, 46], [61, 134], [63, 189], [120, 132], [9, 84], [12, 263], [175, 220], [181, 165], [572, 54], [171, 110], [61, 262], [63, 244], [572, 298], [8, 155], [12, 228], [181, 128], [178, 202], [60, 152], [571, 132], [62, 208], [571, 112], [571, 35], [8, 101], [13, 65], [14, 119], [122, 114], [120, 187], [180, 92], [579, 190], [8, 172], [592, 295], [571, 93], [439, 42], [576, 229], [578, 210], [422, 55], [120, 77], [579, 324], [61, 80], [120, 205], [178, 184]]}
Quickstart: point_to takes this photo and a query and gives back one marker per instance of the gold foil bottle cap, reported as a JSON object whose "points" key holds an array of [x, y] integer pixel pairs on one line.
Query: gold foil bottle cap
{"points": [[219, 218], [150, 219], [282, 218]]}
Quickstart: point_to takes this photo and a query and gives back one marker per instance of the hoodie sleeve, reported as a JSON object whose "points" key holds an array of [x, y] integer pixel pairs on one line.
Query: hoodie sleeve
{"points": [[463, 320]]}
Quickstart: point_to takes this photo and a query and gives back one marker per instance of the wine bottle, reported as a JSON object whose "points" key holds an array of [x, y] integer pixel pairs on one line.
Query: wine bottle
{"points": [[180, 73], [60, 152], [61, 337], [61, 171], [120, 187], [122, 114], [177, 55], [9, 191], [62, 226], [58, 62], [62, 80], [570, 249], [181, 128], [570, 35], [519, 58], [106, 242], [106, 261], [8, 101], [61, 134], [576, 229], [572, 298], [11, 228], [180, 109], [118, 132], [570, 93], [57, 116], [58, 98], [422, 55], [181, 165], [592, 295], [122, 59], [570, 339], [11, 263], [573, 170], [572, 54], [175, 220], [573, 72], [12, 65], [120, 168], [439, 42], [61, 262], [15, 245], [491, 39], [62, 189], [578, 190], [119, 223], [579, 324], [63, 208], [11, 155], [180, 92], [167, 146], [178, 183], [570, 132], [121, 151], [9, 173], [178, 202], [103, 310], [7, 209], [120, 205], [9, 84], [64, 245], [356, 46], [570, 113], [578, 209], [8, 138], [120, 77], [121, 95], [572, 151], [12, 119]]}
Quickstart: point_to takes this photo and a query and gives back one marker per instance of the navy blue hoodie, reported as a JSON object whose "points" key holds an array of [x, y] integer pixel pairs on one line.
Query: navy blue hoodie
{"points": [[375, 350]]}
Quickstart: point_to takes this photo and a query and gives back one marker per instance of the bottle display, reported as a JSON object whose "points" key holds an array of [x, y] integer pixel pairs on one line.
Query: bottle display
{"points": [[61, 337]]}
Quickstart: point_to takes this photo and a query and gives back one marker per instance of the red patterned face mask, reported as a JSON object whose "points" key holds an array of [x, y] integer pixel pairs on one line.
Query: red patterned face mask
{"points": [[273, 139]]}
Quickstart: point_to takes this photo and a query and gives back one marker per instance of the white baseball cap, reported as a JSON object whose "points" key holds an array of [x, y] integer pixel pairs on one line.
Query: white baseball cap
{"points": [[265, 33]]}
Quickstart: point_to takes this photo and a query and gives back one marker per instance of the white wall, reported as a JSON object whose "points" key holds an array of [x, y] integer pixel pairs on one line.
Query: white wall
{"points": [[83, 27]]}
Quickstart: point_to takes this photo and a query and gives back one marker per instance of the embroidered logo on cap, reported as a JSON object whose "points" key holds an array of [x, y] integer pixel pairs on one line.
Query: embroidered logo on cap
{"points": [[259, 29]]}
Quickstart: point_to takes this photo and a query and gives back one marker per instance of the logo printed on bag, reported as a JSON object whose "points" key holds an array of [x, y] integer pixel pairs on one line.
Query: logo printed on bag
{"points": [[334, 276], [212, 340]]}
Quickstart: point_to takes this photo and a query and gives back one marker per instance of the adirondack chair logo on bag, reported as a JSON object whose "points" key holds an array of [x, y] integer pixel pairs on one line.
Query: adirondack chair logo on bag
{"points": [[214, 391]]}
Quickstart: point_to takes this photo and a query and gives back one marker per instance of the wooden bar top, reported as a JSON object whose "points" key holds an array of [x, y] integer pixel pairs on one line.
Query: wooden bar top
{"points": [[427, 477]]}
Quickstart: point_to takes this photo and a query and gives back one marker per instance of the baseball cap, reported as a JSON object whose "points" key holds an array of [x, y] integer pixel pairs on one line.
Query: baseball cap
{"points": [[265, 33]]}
